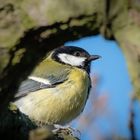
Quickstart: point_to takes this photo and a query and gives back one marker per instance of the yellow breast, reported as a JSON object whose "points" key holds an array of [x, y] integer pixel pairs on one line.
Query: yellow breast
{"points": [[61, 104]]}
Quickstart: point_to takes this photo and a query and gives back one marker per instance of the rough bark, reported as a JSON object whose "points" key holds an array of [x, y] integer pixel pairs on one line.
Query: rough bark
{"points": [[29, 29], [126, 31]]}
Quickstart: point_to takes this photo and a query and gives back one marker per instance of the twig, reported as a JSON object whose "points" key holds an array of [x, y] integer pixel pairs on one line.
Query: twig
{"points": [[131, 121]]}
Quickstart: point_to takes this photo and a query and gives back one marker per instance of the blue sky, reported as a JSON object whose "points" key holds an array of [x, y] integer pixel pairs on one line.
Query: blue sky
{"points": [[115, 81]]}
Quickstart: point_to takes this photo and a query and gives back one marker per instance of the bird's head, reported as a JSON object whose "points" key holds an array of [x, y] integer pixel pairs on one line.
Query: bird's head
{"points": [[74, 56]]}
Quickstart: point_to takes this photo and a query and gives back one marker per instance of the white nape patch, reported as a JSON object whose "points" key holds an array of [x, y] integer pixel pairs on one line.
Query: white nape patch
{"points": [[40, 80], [72, 60]]}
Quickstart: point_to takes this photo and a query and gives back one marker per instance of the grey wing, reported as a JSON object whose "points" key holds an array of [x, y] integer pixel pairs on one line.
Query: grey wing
{"points": [[26, 87], [35, 83]]}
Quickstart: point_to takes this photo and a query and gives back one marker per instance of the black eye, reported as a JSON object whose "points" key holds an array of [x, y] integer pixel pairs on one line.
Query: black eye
{"points": [[77, 53]]}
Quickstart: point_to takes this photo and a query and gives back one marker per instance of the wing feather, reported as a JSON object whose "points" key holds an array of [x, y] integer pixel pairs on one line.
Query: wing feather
{"points": [[51, 78]]}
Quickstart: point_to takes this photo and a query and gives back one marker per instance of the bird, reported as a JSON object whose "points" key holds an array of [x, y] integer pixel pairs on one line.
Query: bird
{"points": [[57, 90]]}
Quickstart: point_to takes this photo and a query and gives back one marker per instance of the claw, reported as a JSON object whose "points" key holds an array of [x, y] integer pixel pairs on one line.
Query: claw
{"points": [[68, 130]]}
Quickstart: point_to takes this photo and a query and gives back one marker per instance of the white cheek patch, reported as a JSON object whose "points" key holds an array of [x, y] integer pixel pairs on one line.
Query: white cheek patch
{"points": [[72, 60]]}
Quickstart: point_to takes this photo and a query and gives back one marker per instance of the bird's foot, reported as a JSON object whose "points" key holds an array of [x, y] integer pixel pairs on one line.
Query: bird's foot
{"points": [[67, 130]]}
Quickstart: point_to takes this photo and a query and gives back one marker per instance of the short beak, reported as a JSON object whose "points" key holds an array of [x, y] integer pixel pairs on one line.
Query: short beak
{"points": [[93, 57]]}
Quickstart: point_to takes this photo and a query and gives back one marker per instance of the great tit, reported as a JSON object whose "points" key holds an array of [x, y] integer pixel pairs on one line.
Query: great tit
{"points": [[57, 90]]}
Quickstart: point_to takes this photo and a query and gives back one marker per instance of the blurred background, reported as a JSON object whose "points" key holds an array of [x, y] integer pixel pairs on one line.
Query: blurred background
{"points": [[107, 113]]}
